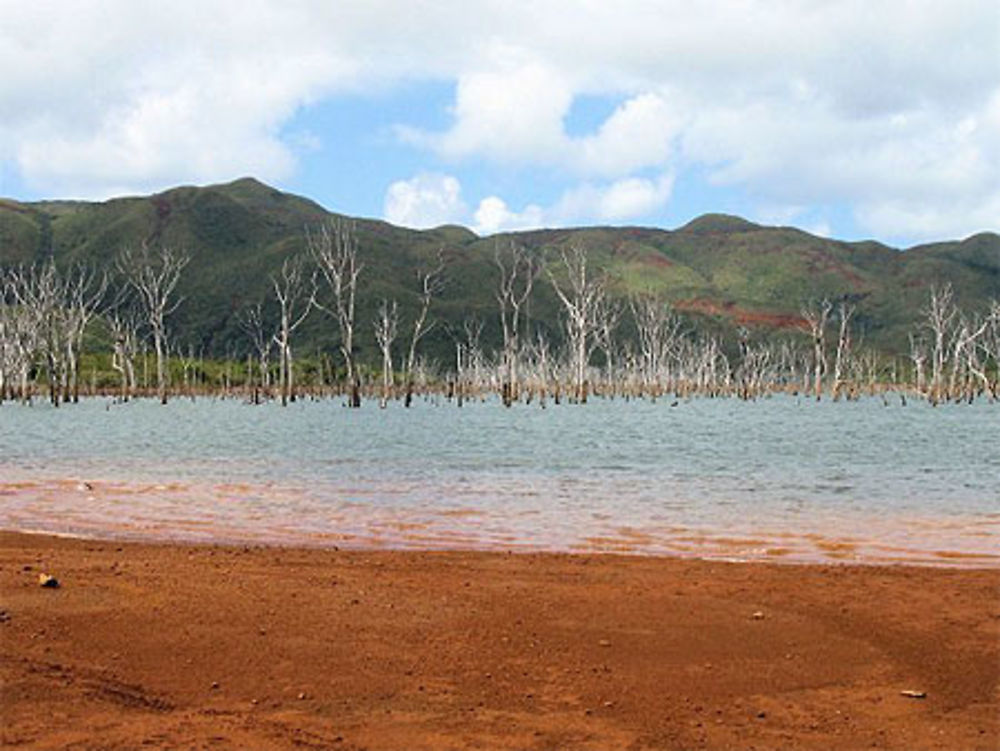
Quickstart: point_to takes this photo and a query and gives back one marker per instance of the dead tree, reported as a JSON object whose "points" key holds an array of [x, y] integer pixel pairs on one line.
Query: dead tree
{"points": [[188, 362], [841, 363], [965, 365], [6, 340], [608, 315], [295, 292], [536, 368], [23, 332], [124, 328], [431, 283], [153, 273], [754, 373], [581, 295], [711, 363], [939, 317], [816, 316], [918, 356], [386, 325], [84, 294], [991, 347], [262, 340], [17, 338], [469, 359], [658, 330], [35, 291], [518, 271], [866, 370], [41, 296], [334, 247]]}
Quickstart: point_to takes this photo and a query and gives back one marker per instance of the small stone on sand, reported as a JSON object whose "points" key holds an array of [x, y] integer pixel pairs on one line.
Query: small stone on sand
{"points": [[48, 581]]}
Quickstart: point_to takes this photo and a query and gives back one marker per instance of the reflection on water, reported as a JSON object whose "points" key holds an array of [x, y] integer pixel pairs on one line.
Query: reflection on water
{"points": [[782, 478]]}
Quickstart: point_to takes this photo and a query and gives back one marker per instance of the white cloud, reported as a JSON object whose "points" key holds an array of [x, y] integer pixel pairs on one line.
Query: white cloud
{"points": [[111, 94], [639, 134], [493, 215], [512, 115], [518, 115], [424, 201], [926, 220], [616, 202], [431, 200], [889, 108]]}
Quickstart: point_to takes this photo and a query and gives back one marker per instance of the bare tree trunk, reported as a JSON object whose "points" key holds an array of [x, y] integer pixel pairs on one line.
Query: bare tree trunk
{"points": [[844, 312], [607, 317], [659, 332], [940, 315], [23, 324], [430, 284], [153, 273], [518, 271], [468, 359], [386, 325], [816, 316], [160, 350], [296, 296], [582, 297], [965, 366], [335, 249], [262, 339], [918, 355], [85, 293], [991, 347]]}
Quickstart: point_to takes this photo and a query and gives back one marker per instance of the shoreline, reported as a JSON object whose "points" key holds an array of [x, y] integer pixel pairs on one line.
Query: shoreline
{"points": [[241, 514], [802, 548], [273, 647]]}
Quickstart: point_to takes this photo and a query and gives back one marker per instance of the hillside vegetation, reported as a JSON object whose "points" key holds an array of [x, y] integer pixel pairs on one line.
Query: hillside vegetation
{"points": [[722, 271]]}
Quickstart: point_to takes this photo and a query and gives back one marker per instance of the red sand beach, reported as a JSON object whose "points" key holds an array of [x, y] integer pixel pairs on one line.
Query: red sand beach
{"points": [[179, 646]]}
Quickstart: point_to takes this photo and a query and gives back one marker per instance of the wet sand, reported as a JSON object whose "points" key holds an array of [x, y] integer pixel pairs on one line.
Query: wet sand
{"points": [[268, 515], [181, 646]]}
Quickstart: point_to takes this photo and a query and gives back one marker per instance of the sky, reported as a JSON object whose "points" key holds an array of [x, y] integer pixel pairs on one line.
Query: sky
{"points": [[847, 118]]}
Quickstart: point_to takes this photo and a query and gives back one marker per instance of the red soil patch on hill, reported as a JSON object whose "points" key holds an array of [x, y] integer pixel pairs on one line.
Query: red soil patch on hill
{"points": [[742, 316], [656, 260]]}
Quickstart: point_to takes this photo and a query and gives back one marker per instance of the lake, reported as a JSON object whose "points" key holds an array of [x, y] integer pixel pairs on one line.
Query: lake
{"points": [[783, 478]]}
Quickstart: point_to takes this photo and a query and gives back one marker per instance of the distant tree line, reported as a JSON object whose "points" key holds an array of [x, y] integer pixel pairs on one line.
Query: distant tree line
{"points": [[638, 347]]}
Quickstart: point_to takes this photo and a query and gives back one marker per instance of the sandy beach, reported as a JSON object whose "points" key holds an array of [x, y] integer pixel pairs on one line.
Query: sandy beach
{"points": [[180, 646]]}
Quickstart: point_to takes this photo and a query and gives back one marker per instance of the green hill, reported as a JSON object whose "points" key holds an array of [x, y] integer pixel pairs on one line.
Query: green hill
{"points": [[723, 271]]}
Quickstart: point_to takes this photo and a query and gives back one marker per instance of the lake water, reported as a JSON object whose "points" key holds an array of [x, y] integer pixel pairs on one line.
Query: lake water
{"points": [[781, 478]]}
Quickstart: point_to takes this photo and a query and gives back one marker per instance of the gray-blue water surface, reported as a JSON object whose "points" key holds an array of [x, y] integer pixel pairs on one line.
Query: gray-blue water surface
{"points": [[704, 476]]}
